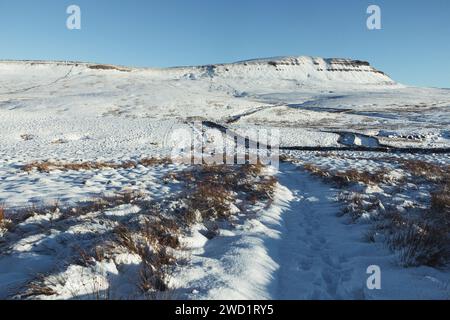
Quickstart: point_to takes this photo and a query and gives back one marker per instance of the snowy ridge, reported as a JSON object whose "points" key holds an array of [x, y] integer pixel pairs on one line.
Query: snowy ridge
{"points": [[308, 69], [302, 69]]}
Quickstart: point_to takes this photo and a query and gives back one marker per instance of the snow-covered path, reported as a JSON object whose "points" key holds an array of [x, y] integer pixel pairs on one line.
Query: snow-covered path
{"points": [[301, 247], [311, 265], [322, 256]]}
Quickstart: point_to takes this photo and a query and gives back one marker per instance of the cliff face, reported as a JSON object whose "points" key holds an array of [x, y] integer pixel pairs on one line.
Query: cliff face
{"points": [[304, 69]]}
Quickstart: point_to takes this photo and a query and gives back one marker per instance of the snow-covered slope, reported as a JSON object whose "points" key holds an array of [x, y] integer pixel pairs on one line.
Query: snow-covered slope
{"points": [[308, 71], [81, 103], [77, 114], [293, 72]]}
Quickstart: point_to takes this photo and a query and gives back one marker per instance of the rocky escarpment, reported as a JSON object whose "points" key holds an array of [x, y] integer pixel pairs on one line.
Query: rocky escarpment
{"points": [[304, 69]]}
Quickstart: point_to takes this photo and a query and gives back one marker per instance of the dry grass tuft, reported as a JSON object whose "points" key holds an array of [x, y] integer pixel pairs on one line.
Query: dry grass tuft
{"points": [[47, 166], [59, 141], [149, 162], [5, 223], [286, 158], [358, 204], [162, 231], [440, 205], [420, 243], [2, 213], [152, 242], [427, 170], [26, 137], [213, 190], [420, 239], [126, 239], [85, 259], [440, 201], [108, 67], [345, 178], [211, 199], [38, 289], [154, 272]]}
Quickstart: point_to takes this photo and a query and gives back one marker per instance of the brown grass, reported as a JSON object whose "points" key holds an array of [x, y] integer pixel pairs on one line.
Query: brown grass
{"points": [[421, 243], [440, 206], [213, 190], [421, 238], [345, 178], [357, 204], [154, 272], [165, 232], [125, 239], [427, 170], [155, 236], [2, 213], [108, 67], [5, 223], [152, 241], [286, 158], [148, 162], [27, 137], [211, 198], [59, 141], [440, 201], [47, 166], [85, 259], [38, 289], [152, 238]]}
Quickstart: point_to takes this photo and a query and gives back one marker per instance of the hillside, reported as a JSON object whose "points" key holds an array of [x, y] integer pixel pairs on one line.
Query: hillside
{"points": [[94, 205]]}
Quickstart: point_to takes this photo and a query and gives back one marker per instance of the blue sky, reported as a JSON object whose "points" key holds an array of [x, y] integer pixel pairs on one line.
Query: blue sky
{"points": [[413, 47]]}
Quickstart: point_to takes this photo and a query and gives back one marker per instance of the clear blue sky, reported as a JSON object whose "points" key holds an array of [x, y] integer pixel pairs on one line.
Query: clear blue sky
{"points": [[413, 47]]}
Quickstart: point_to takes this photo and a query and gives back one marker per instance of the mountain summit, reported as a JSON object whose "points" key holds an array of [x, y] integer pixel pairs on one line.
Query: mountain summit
{"points": [[302, 69]]}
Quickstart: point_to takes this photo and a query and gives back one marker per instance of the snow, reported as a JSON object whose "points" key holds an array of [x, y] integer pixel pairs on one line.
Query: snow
{"points": [[300, 249], [323, 257], [240, 263], [295, 248], [20, 189]]}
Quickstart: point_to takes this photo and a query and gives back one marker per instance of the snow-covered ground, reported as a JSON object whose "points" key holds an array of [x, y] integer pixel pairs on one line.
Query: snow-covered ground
{"points": [[295, 246]]}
